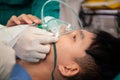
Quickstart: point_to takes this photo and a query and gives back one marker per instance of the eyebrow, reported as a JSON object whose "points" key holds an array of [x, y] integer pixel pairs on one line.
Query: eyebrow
{"points": [[82, 34]]}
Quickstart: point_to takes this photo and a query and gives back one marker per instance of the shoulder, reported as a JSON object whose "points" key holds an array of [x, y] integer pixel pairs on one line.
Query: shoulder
{"points": [[19, 73]]}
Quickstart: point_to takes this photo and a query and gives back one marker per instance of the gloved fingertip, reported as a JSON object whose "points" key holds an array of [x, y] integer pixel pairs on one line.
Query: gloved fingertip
{"points": [[55, 39], [43, 56], [51, 34], [37, 60], [32, 60]]}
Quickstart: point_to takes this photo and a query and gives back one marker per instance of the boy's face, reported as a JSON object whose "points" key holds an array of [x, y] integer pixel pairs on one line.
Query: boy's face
{"points": [[73, 45], [69, 47]]}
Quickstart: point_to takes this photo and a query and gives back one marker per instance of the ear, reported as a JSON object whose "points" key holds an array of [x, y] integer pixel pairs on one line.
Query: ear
{"points": [[69, 70]]}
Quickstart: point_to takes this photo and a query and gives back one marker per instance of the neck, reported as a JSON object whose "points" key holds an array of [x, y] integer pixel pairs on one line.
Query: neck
{"points": [[41, 70]]}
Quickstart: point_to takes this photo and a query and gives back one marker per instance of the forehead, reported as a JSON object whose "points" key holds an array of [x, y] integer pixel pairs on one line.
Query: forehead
{"points": [[86, 33], [90, 34]]}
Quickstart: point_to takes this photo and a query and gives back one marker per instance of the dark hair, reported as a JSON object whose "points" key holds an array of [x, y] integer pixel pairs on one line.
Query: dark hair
{"points": [[105, 50], [88, 70], [102, 61]]}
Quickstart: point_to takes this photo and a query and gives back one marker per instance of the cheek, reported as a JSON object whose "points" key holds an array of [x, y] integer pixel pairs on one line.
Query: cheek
{"points": [[64, 51], [64, 45]]}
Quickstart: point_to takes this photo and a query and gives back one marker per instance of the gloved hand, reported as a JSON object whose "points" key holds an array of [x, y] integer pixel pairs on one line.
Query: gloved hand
{"points": [[33, 44]]}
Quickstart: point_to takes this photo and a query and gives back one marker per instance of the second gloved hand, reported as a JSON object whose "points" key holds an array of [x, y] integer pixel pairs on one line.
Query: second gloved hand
{"points": [[33, 44]]}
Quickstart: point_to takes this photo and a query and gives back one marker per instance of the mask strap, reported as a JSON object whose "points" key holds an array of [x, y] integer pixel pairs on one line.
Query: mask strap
{"points": [[55, 60]]}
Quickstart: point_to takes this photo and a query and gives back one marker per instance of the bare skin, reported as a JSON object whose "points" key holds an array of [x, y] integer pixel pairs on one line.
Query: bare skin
{"points": [[69, 47], [23, 19]]}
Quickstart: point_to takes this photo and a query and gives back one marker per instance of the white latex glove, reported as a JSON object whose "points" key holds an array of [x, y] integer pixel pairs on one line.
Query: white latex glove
{"points": [[33, 44], [7, 61]]}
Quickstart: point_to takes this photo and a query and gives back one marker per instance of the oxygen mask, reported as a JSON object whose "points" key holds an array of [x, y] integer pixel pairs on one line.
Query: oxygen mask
{"points": [[56, 26]]}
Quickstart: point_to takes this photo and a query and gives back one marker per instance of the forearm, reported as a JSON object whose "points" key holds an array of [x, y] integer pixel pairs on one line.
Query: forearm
{"points": [[8, 35], [7, 61]]}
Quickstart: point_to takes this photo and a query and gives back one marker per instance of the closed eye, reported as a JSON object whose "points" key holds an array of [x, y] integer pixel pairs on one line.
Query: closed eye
{"points": [[74, 37]]}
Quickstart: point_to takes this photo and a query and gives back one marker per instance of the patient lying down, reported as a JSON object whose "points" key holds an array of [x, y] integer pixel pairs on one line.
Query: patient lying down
{"points": [[81, 55]]}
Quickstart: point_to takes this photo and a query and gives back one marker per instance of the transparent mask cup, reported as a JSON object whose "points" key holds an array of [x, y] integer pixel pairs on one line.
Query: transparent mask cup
{"points": [[56, 26]]}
